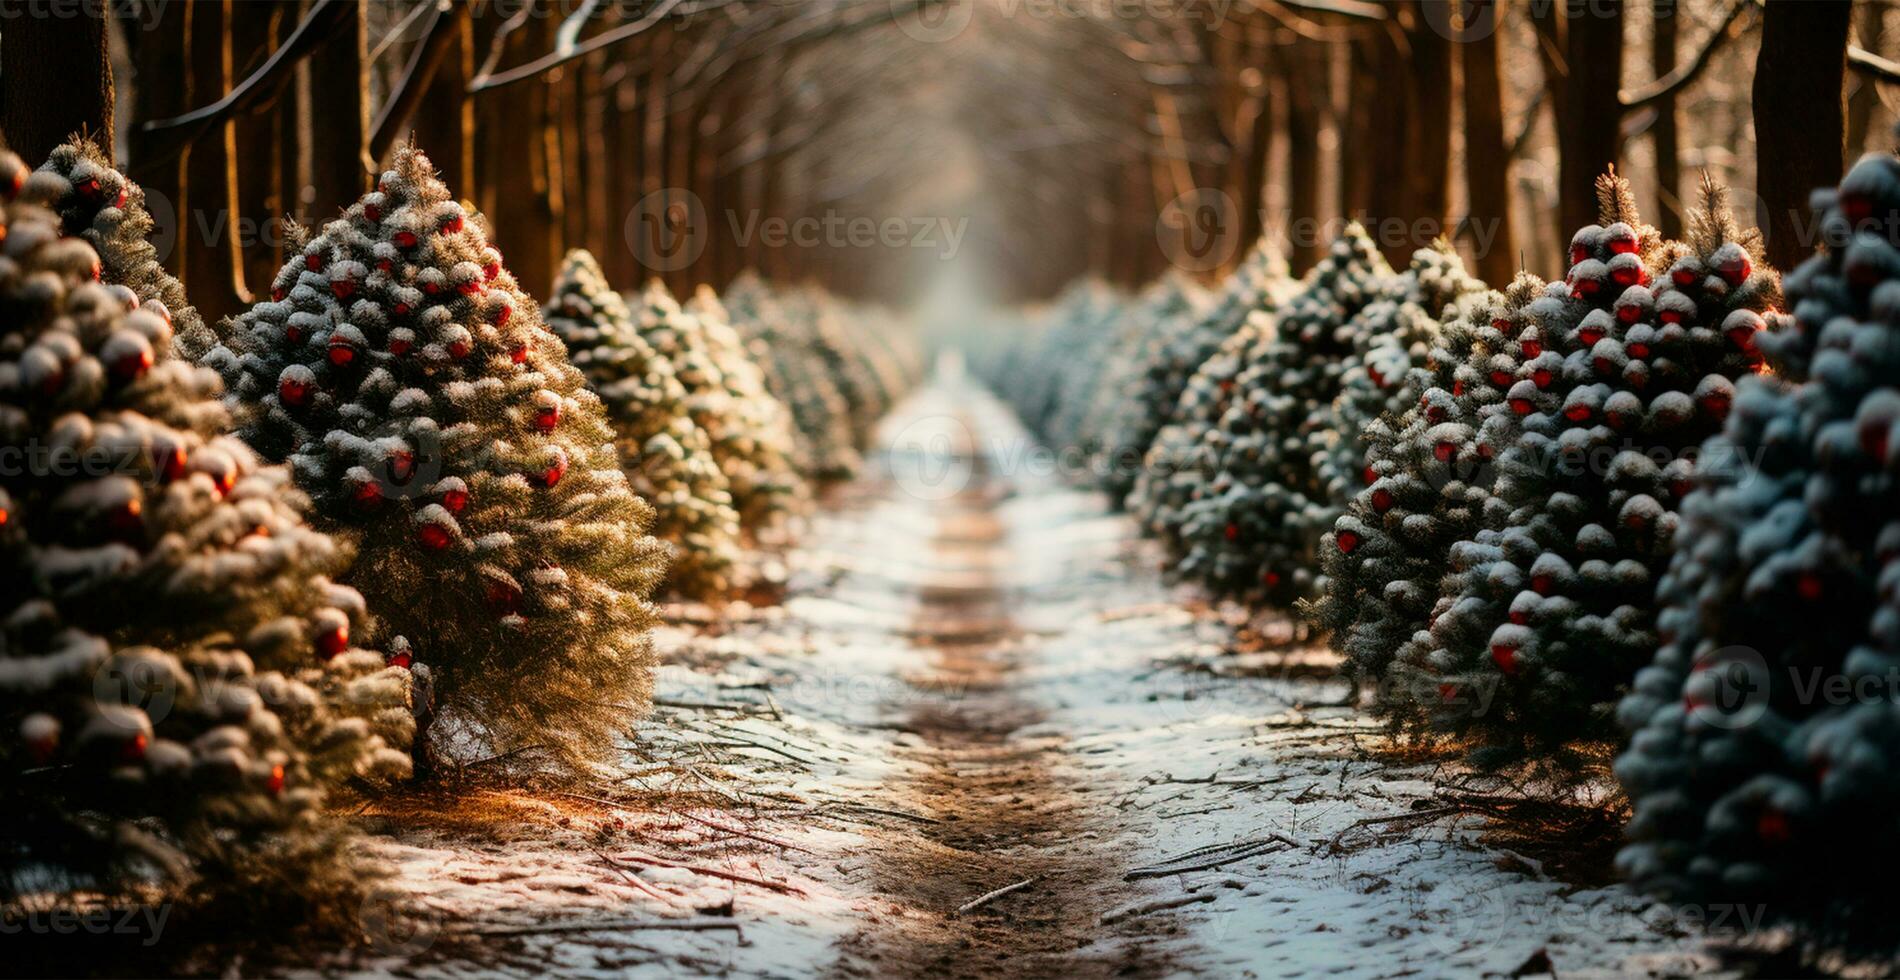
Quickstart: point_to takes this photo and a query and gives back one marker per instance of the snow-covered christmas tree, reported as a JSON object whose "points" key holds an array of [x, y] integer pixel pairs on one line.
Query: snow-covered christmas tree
{"points": [[1182, 343], [1255, 529], [1552, 607], [182, 687], [1428, 477], [664, 451], [826, 450], [752, 432], [424, 406], [1766, 740], [98, 203], [1121, 426]]}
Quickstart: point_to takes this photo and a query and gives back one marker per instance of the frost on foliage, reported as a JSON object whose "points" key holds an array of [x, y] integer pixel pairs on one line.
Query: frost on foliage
{"points": [[751, 431], [1746, 775], [423, 404], [181, 686], [98, 203], [1187, 331], [1427, 478], [801, 380], [1252, 523], [1550, 605], [663, 450]]}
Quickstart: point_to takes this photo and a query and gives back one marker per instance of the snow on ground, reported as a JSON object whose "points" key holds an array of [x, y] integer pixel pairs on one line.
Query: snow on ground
{"points": [[824, 782]]}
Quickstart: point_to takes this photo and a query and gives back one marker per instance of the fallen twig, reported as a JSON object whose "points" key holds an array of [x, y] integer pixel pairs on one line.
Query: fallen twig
{"points": [[1333, 845], [1159, 905], [737, 832], [1212, 856], [991, 896], [636, 858], [613, 925]]}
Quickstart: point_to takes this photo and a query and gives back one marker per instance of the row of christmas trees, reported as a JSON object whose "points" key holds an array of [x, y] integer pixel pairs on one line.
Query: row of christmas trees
{"points": [[396, 515], [1637, 506]]}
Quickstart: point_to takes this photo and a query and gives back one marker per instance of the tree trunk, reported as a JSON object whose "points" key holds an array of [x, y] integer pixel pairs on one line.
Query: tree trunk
{"points": [[1428, 144], [1800, 118], [1589, 117], [55, 80], [1487, 155], [1305, 97], [514, 165], [444, 122], [1665, 134], [1870, 30], [208, 231], [255, 30], [162, 49], [340, 166]]}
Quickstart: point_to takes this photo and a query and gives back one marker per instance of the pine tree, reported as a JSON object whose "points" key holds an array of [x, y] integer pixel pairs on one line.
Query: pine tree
{"points": [[753, 434], [1184, 340], [1552, 606], [98, 203], [182, 687], [1745, 773], [663, 450], [425, 408], [1256, 528], [1118, 429], [1428, 474], [800, 381], [1390, 337]]}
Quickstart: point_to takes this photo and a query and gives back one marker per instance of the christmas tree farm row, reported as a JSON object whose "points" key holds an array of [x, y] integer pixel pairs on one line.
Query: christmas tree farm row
{"points": [[1635, 520], [396, 518]]}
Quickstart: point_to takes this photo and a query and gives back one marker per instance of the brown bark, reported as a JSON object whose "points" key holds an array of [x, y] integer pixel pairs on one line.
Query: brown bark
{"points": [[255, 30], [59, 79], [1800, 116], [340, 167], [1487, 153], [444, 122], [1589, 117], [1428, 144], [1870, 30], [209, 230], [162, 47], [1305, 95], [1665, 133]]}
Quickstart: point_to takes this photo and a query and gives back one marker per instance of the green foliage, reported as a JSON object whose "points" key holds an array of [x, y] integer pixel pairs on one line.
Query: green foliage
{"points": [[664, 451], [182, 688], [435, 421]]}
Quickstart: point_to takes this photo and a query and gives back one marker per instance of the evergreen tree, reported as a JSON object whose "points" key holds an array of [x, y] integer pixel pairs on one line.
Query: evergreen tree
{"points": [[1129, 407], [98, 203], [1428, 478], [752, 435], [431, 416], [1748, 768], [1390, 337], [1255, 530], [800, 381], [181, 685], [1189, 331], [665, 453], [1552, 606]]}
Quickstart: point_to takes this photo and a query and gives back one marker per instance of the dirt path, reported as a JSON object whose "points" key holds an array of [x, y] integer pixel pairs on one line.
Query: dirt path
{"points": [[976, 680], [1006, 814]]}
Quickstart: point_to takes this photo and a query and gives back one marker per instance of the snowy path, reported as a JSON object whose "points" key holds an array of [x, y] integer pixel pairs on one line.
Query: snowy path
{"points": [[976, 682]]}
